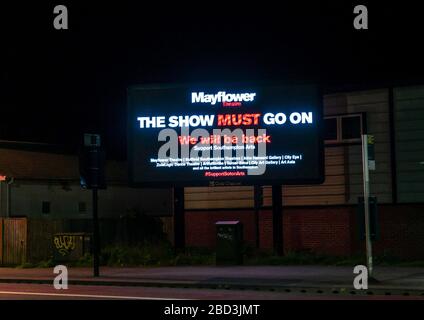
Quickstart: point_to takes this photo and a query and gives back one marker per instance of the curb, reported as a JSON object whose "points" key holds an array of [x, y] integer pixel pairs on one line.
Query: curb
{"points": [[324, 289]]}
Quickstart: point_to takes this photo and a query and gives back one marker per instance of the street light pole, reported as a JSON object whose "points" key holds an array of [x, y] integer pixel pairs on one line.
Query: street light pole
{"points": [[366, 186], [92, 163]]}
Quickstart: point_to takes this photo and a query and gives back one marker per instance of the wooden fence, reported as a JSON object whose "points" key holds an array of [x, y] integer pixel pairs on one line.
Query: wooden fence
{"points": [[13, 241], [31, 240]]}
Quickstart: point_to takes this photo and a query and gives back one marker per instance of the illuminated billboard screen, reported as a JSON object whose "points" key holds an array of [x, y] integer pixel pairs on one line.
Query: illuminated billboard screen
{"points": [[225, 135]]}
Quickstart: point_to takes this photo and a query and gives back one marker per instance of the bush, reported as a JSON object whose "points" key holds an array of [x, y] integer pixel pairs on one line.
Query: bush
{"points": [[26, 265], [46, 264], [85, 261], [159, 254], [146, 254], [195, 256], [135, 227]]}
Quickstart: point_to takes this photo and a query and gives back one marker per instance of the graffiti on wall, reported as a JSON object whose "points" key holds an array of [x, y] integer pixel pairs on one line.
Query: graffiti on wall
{"points": [[64, 244]]}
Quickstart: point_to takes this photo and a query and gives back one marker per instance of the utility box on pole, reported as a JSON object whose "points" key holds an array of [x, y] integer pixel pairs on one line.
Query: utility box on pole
{"points": [[92, 163]]}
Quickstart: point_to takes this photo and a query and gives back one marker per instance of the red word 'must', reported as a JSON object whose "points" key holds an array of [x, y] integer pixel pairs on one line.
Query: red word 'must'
{"points": [[247, 119]]}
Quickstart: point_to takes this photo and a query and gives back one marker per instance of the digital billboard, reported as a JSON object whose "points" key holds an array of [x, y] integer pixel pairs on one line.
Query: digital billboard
{"points": [[225, 135]]}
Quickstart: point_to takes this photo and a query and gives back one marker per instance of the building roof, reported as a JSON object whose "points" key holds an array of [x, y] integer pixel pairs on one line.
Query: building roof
{"points": [[35, 165]]}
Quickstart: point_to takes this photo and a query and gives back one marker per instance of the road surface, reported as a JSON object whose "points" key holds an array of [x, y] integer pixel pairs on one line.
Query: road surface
{"points": [[74, 292]]}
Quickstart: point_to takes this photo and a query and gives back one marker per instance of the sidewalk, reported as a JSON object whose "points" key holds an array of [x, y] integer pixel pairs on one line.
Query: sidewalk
{"points": [[392, 279]]}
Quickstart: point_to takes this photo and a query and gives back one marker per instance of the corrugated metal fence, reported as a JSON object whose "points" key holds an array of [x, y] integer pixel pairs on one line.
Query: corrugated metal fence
{"points": [[13, 241]]}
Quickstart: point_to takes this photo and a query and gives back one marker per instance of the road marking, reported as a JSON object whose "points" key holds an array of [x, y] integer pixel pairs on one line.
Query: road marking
{"points": [[71, 295]]}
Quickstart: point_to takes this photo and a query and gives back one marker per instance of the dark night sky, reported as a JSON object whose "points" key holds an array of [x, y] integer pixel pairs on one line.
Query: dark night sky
{"points": [[55, 85]]}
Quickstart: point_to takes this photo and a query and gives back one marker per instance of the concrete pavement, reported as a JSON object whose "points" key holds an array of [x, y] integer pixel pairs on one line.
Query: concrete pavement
{"points": [[326, 279]]}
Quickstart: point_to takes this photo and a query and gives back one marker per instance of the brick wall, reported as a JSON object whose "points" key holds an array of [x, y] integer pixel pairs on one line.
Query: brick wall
{"points": [[402, 231], [326, 230], [322, 230], [329, 230]]}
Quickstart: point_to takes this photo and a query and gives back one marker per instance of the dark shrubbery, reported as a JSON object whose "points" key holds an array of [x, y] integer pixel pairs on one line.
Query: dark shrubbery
{"points": [[146, 254], [136, 227], [157, 254]]}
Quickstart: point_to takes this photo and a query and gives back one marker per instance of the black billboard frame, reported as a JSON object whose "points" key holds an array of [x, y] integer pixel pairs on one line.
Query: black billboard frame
{"points": [[227, 182]]}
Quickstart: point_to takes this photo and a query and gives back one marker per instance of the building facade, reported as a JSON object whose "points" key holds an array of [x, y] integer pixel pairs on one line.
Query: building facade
{"points": [[45, 185], [324, 218], [321, 218]]}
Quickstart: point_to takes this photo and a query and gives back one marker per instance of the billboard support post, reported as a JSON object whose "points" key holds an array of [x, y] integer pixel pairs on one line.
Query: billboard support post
{"points": [[96, 240], [366, 186], [257, 205], [277, 219], [179, 219]]}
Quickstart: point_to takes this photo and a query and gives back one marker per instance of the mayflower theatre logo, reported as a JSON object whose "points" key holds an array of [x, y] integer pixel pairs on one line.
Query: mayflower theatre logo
{"points": [[227, 99]]}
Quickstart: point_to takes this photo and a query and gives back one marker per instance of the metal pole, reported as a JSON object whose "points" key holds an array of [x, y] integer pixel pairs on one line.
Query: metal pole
{"points": [[366, 182], [96, 240], [9, 197], [277, 219], [257, 205], [179, 220]]}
